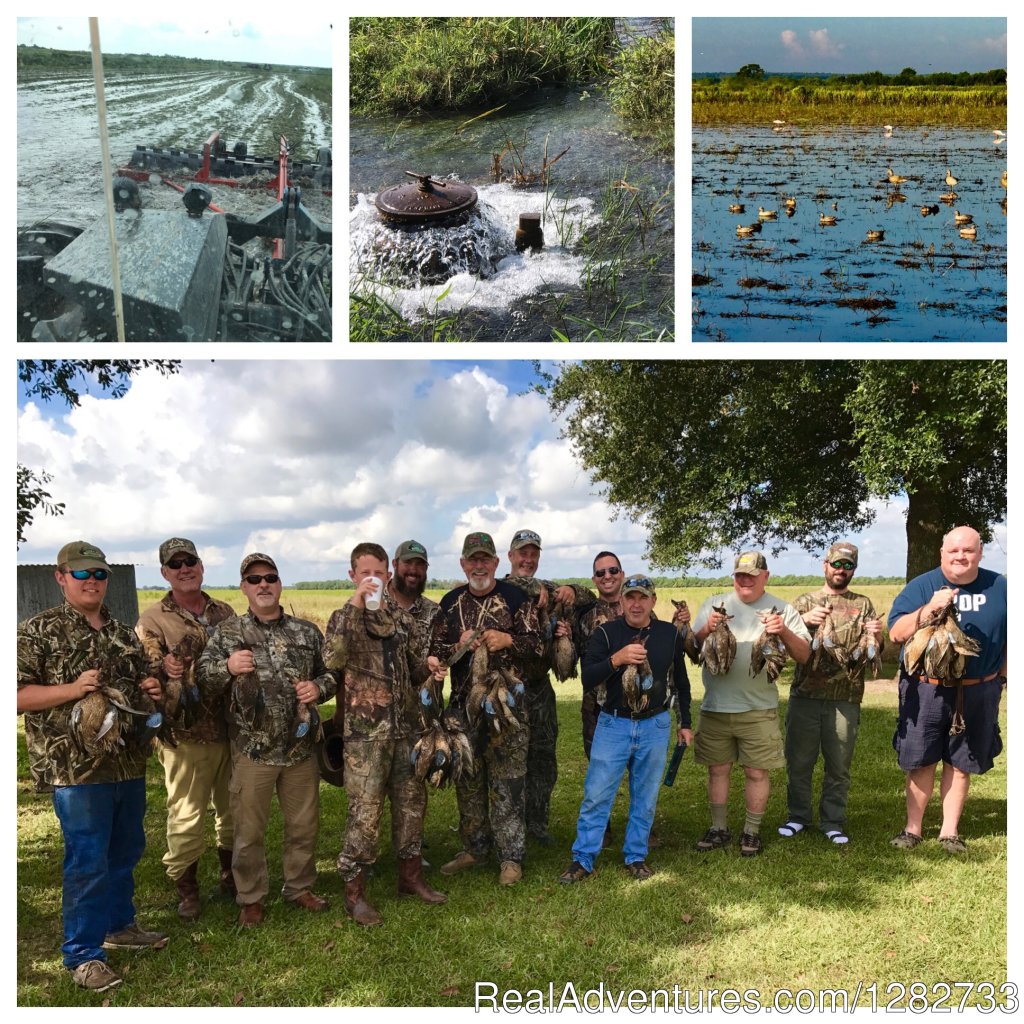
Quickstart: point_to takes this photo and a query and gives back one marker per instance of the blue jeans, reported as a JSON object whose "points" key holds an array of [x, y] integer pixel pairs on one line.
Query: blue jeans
{"points": [[641, 746], [103, 841]]}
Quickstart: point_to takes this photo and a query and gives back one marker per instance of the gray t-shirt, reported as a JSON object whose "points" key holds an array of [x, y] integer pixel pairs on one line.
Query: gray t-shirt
{"points": [[738, 690]]}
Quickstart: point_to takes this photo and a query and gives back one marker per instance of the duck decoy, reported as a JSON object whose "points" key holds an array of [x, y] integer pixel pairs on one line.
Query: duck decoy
{"points": [[962, 218], [790, 202], [950, 180], [876, 236], [928, 211], [1002, 180], [737, 208], [827, 220], [971, 231], [894, 178], [767, 214], [745, 230]]}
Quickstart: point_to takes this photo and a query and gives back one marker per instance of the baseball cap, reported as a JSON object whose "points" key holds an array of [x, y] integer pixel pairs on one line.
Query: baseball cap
{"points": [[257, 556], [842, 549], [477, 542], [80, 554], [641, 583], [753, 563], [522, 538], [410, 549], [174, 546]]}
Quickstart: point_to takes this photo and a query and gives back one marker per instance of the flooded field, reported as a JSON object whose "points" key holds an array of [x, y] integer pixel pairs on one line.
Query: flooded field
{"points": [[894, 266], [59, 163]]}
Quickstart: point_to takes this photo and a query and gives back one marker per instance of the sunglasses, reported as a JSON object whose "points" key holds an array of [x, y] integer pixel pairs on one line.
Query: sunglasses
{"points": [[84, 574], [843, 564], [177, 563], [254, 580], [613, 571], [529, 535], [637, 581]]}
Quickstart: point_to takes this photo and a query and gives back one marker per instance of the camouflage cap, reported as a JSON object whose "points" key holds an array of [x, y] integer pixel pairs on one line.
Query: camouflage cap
{"points": [[753, 563], [80, 554], [641, 583], [523, 538], [410, 549], [477, 542], [174, 546], [842, 549], [257, 556]]}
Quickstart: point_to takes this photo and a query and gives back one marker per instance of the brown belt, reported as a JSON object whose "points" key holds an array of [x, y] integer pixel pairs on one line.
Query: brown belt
{"points": [[963, 682]]}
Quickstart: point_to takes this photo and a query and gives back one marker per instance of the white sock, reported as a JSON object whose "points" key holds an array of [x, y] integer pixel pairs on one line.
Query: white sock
{"points": [[837, 837], [793, 826]]}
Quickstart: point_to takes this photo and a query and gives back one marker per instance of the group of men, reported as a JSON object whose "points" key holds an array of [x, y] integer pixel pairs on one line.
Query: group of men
{"points": [[239, 695]]}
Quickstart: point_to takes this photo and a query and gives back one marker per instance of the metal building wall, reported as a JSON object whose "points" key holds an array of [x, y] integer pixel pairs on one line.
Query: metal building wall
{"points": [[38, 590]]}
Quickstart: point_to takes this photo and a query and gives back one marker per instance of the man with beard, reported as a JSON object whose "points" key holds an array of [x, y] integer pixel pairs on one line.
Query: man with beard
{"points": [[492, 803], [739, 718], [196, 756], [272, 666], [542, 710], [824, 701], [633, 725], [926, 732], [406, 586]]}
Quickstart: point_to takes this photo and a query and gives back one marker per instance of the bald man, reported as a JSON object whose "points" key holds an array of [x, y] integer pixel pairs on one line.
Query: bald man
{"points": [[924, 733]]}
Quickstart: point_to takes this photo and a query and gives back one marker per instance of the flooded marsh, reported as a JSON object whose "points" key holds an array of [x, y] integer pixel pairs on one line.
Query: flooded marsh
{"points": [[858, 254]]}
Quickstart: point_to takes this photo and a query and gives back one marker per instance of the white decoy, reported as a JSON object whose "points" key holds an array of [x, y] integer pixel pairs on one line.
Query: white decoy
{"points": [[950, 180], [887, 128]]}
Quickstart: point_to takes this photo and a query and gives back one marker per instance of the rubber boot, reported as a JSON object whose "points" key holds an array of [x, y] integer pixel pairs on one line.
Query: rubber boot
{"points": [[188, 893], [356, 904], [227, 878], [410, 881]]}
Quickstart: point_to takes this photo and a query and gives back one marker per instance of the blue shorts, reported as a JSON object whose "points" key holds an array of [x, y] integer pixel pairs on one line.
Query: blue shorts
{"points": [[926, 713]]}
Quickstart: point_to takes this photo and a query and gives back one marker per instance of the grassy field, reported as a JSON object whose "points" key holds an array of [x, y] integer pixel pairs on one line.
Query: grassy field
{"points": [[804, 915]]}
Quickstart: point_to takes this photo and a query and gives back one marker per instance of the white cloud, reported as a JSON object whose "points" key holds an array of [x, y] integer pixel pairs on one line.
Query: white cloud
{"points": [[822, 45], [792, 43]]}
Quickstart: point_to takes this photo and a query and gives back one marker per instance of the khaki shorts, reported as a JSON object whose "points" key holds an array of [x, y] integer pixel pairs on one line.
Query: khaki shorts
{"points": [[752, 738]]}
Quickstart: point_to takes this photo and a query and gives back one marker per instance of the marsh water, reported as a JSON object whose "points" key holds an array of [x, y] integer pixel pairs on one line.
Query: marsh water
{"points": [[797, 280]]}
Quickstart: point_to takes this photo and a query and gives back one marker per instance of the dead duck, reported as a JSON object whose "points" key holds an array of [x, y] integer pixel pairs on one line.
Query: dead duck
{"points": [[768, 653], [949, 179], [962, 218], [866, 652], [826, 642], [894, 178], [764, 214], [737, 208], [827, 220], [689, 643], [563, 654], [876, 236], [637, 682], [719, 649]]}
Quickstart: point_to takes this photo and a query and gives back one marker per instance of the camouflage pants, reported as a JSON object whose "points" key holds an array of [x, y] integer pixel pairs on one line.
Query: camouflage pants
{"points": [[375, 769], [589, 711], [541, 765], [492, 804]]}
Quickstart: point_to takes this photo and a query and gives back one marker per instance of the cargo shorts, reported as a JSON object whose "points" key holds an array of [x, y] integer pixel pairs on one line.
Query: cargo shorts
{"points": [[752, 738]]}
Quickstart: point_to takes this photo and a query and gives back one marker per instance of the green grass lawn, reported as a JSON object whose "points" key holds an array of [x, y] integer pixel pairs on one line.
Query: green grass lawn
{"points": [[805, 914]]}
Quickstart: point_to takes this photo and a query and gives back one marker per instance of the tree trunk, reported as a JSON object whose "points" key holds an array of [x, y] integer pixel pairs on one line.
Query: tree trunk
{"points": [[925, 530]]}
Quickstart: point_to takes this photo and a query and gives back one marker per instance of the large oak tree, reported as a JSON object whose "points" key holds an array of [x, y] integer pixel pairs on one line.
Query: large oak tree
{"points": [[714, 455]]}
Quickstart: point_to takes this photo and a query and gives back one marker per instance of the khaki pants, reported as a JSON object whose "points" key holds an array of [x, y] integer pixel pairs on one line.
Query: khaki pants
{"points": [[298, 792], [195, 773]]}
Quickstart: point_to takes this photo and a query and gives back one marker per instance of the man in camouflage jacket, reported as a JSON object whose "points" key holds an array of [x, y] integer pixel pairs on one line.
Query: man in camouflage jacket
{"points": [[542, 711], [272, 666], [407, 583], [194, 749], [823, 713], [492, 803], [383, 656], [74, 663]]}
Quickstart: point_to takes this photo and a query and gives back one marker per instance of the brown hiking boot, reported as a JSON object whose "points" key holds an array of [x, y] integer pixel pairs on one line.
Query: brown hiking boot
{"points": [[227, 876], [411, 883], [188, 893], [131, 936], [511, 872], [462, 860], [251, 915], [357, 906], [95, 975]]}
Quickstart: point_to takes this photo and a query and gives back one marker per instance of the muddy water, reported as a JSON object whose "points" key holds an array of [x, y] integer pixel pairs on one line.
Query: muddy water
{"points": [[797, 280], [59, 162]]}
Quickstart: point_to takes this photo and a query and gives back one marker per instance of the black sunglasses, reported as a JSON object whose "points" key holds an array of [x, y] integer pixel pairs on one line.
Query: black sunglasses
{"points": [[177, 563], [842, 564], [84, 574], [613, 571], [254, 580]]}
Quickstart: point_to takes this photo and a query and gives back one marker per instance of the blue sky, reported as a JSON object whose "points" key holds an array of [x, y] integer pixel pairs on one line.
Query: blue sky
{"points": [[233, 35], [846, 45], [304, 460]]}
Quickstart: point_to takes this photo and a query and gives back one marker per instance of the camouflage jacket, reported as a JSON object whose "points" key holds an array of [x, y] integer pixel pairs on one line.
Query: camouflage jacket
{"points": [[422, 610], [262, 706], [538, 666], [585, 625], [505, 608], [383, 655], [163, 626], [830, 680], [54, 648]]}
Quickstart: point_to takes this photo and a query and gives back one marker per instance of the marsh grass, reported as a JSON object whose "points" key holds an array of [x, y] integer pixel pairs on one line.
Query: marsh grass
{"points": [[805, 914], [642, 88], [399, 64]]}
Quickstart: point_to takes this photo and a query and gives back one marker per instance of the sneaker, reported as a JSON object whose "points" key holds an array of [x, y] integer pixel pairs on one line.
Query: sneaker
{"points": [[952, 844], [575, 872], [750, 845], [133, 937], [905, 840], [511, 872], [96, 976], [462, 860], [639, 870], [714, 839]]}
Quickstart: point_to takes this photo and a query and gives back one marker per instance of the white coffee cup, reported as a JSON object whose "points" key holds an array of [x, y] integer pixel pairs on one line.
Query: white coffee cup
{"points": [[372, 601]]}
